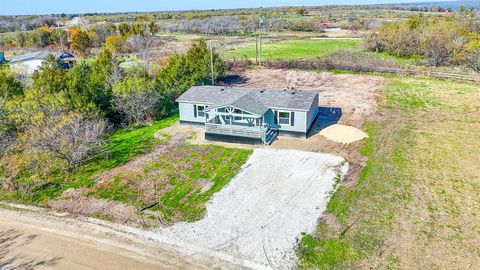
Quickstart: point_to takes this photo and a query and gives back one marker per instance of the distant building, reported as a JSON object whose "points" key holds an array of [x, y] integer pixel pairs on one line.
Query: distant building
{"points": [[77, 21], [32, 61]]}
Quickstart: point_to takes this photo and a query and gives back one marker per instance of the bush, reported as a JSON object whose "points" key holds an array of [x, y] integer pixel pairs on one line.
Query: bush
{"points": [[136, 99], [442, 41]]}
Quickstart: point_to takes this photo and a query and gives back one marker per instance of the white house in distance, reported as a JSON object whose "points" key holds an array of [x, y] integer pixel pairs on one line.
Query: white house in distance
{"points": [[247, 114], [32, 61]]}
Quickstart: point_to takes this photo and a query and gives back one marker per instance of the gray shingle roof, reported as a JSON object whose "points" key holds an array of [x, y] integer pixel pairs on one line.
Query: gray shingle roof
{"points": [[247, 102], [35, 55], [253, 100]]}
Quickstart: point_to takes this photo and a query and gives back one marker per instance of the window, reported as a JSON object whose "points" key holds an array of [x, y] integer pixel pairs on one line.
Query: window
{"points": [[200, 111], [284, 118], [237, 111]]}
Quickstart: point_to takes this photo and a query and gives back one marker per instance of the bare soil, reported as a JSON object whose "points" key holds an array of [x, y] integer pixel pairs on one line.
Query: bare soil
{"points": [[78, 203], [38, 239], [354, 94]]}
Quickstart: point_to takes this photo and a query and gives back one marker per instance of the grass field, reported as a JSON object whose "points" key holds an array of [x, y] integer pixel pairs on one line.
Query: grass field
{"points": [[416, 202], [307, 49], [293, 49]]}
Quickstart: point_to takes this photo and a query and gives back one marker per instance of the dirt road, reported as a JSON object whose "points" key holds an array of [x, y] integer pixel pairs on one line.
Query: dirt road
{"points": [[37, 241]]}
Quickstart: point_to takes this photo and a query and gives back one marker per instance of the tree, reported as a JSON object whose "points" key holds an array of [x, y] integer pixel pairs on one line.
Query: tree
{"points": [[82, 91], [70, 137], [153, 28], [143, 45], [21, 39], [7, 134], [184, 71], [136, 99], [50, 77], [303, 11], [9, 86], [124, 29], [470, 54], [80, 40], [42, 36], [115, 43]]}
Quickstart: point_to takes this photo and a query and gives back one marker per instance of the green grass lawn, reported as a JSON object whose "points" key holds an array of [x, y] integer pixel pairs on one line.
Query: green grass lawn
{"points": [[293, 49], [417, 199]]}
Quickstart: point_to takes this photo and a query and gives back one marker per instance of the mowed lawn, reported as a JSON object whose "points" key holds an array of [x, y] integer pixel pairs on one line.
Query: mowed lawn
{"points": [[416, 203], [293, 49]]}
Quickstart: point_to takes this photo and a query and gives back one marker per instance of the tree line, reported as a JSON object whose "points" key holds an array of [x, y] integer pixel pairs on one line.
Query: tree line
{"points": [[449, 40], [60, 120]]}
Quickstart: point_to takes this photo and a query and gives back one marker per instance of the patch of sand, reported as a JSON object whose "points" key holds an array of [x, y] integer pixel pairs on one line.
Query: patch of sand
{"points": [[343, 134]]}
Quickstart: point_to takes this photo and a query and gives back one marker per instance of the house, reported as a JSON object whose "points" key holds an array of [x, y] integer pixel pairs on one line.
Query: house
{"points": [[249, 115], [32, 61]]}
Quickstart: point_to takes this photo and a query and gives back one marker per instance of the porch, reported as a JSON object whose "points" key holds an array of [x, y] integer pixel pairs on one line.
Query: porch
{"points": [[238, 124]]}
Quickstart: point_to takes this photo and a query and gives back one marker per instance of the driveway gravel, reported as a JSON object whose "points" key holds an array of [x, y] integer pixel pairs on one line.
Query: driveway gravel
{"points": [[257, 219]]}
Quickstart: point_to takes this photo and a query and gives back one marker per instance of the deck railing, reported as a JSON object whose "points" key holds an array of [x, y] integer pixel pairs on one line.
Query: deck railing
{"points": [[235, 130]]}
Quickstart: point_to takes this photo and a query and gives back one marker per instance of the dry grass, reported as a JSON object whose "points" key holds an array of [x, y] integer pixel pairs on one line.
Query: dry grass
{"points": [[418, 198]]}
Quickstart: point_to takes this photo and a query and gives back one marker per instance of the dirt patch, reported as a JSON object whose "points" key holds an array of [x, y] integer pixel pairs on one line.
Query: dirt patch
{"points": [[76, 203], [331, 222], [353, 94], [343, 134]]}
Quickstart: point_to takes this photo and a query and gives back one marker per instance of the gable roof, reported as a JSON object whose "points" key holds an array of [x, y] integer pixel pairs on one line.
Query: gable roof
{"points": [[40, 55], [246, 102], [253, 100]]}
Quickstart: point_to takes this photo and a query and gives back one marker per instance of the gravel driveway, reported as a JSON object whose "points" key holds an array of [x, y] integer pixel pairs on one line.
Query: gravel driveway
{"points": [[257, 219]]}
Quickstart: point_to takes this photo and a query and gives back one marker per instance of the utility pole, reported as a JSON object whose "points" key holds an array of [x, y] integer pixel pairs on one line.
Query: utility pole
{"points": [[210, 43], [260, 22], [256, 48], [60, 35]]}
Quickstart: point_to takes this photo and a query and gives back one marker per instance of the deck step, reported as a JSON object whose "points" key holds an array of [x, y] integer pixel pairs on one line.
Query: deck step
{"points": [[270, 136]]}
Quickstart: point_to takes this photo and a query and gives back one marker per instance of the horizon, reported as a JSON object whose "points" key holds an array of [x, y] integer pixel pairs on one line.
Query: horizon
{"points": [[45, 7]]}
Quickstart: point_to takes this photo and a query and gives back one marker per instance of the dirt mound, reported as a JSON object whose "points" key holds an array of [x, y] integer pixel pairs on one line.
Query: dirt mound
{"points": [[343, 134]]}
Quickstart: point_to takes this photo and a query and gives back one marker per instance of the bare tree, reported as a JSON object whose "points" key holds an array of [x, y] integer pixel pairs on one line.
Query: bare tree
{"points": [[143, 45], [116, 74], [138, 106], [71, 137], [7, 136]]}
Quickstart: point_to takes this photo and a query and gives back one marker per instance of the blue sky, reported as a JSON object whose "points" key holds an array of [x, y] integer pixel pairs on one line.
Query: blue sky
{"points": [[16, 7]]}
